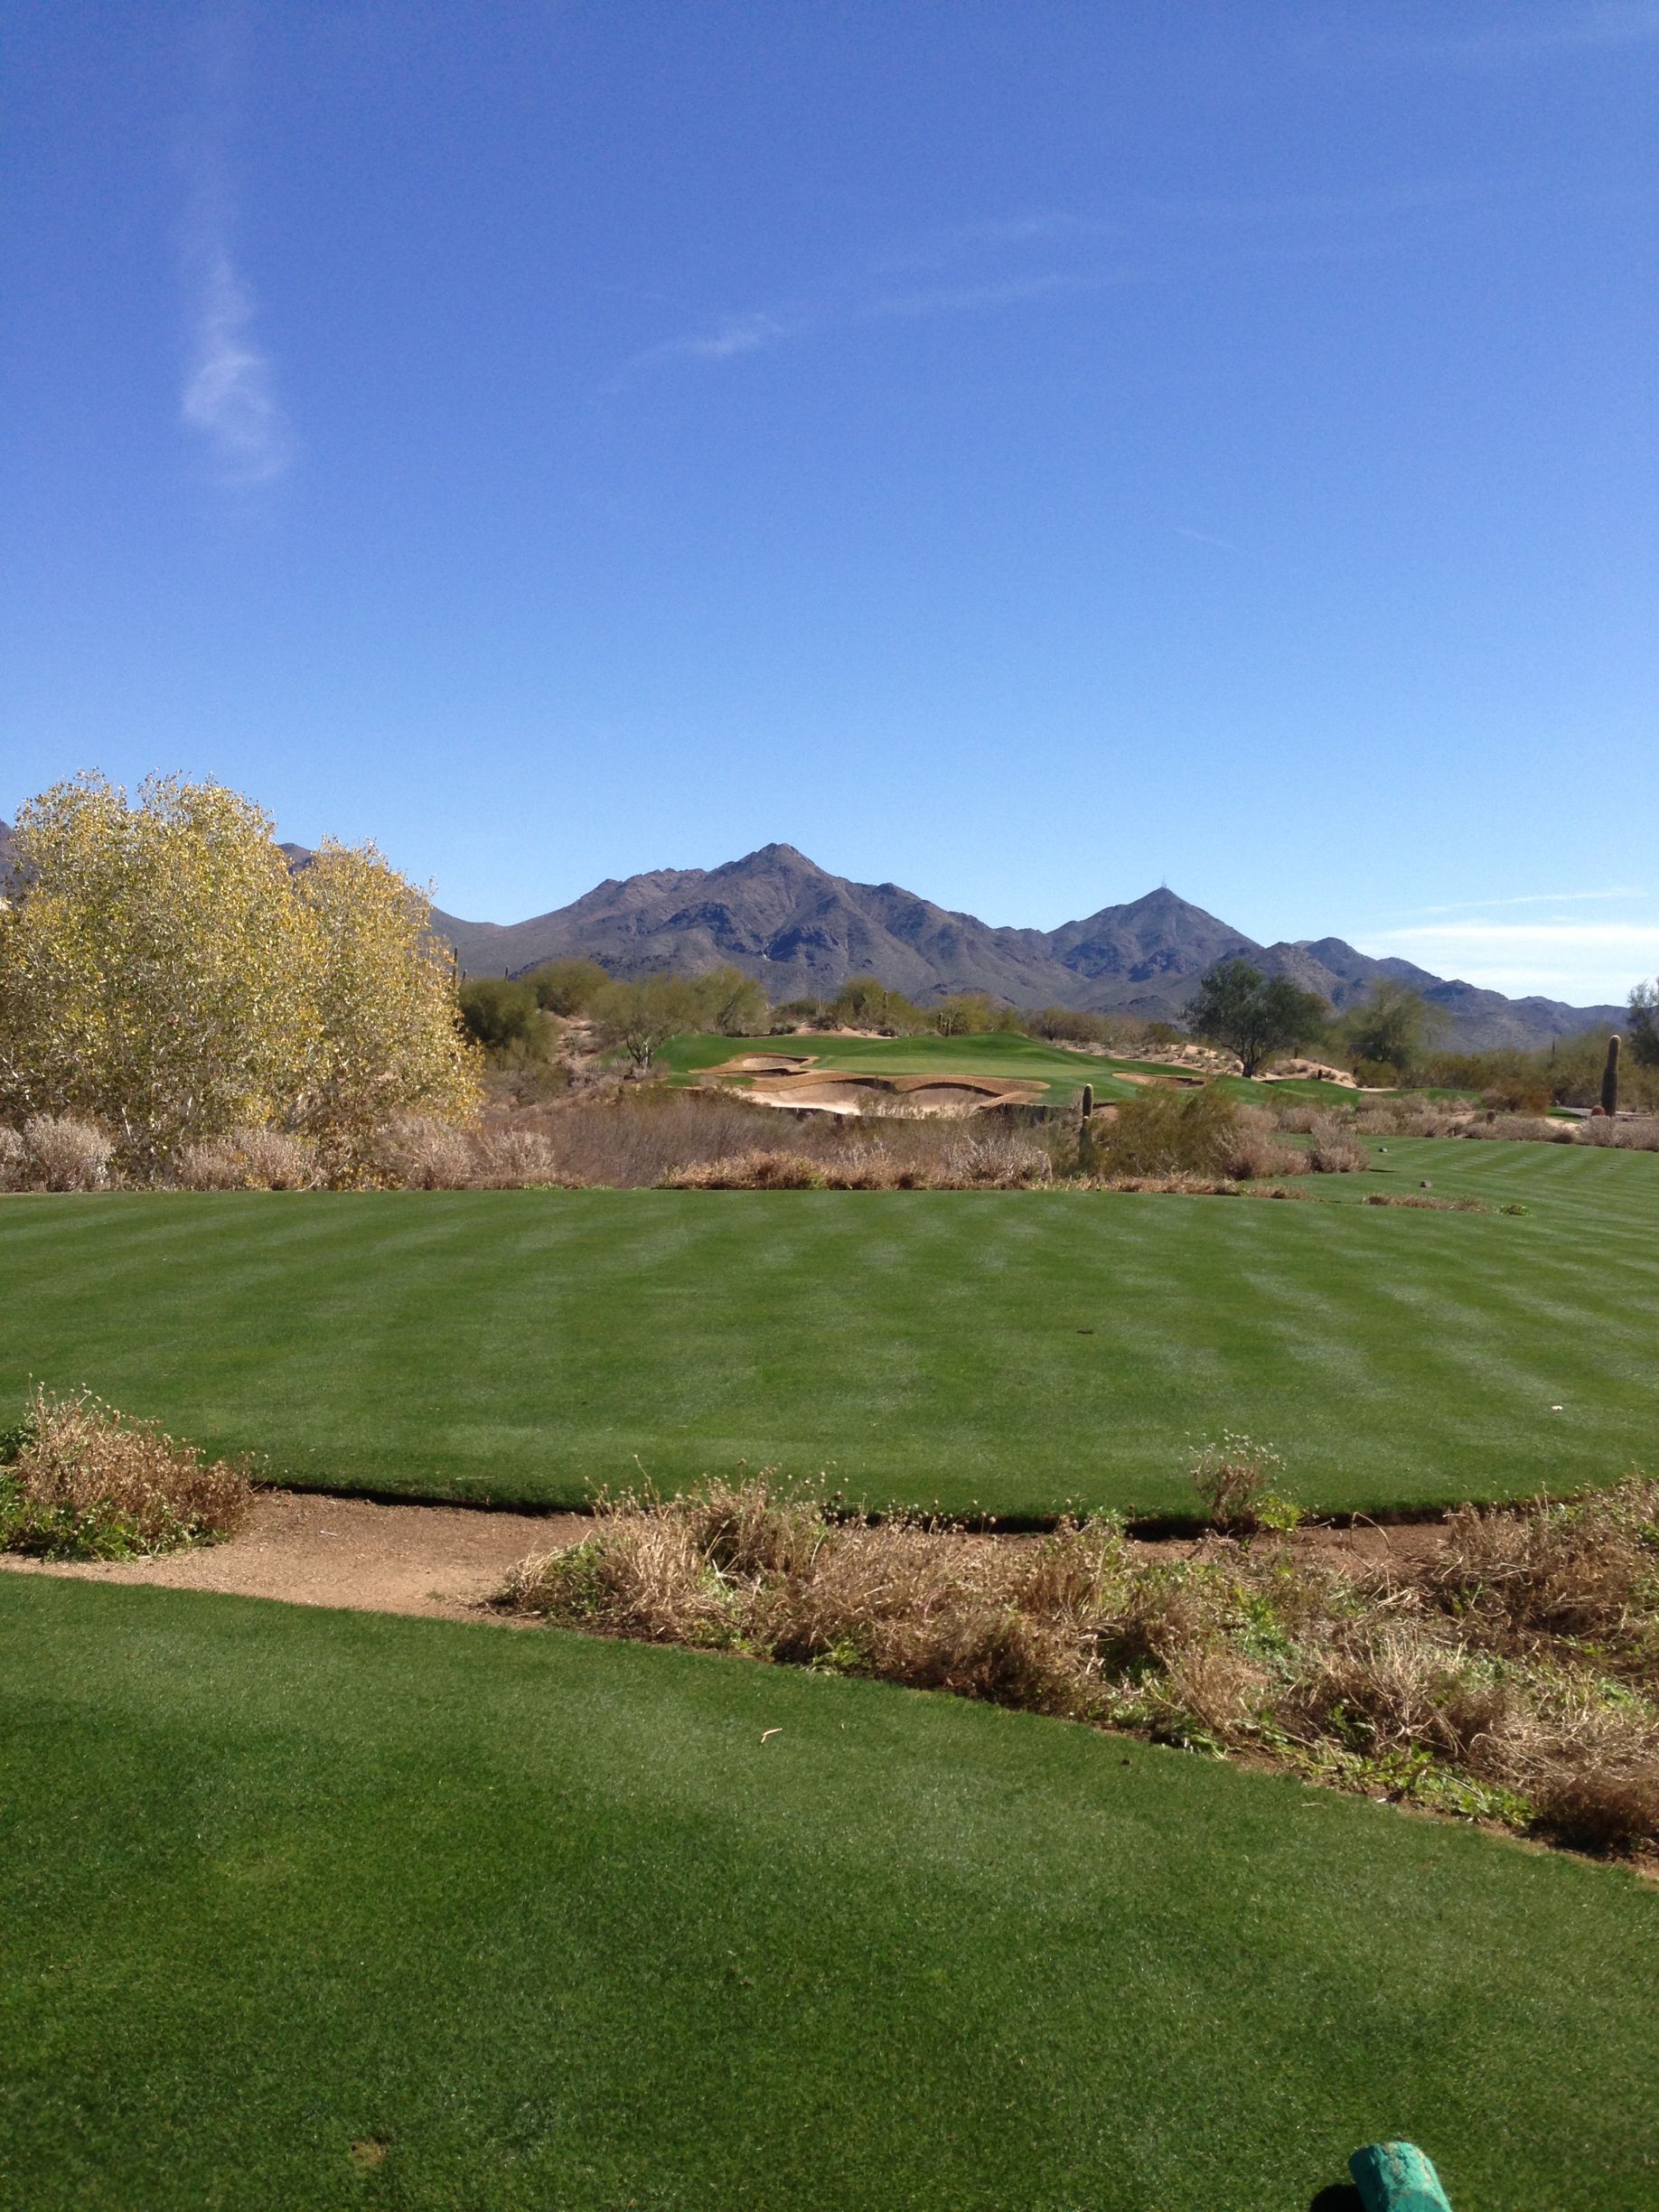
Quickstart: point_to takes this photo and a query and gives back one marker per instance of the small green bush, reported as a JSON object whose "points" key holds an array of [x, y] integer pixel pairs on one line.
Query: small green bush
{"points": [[1165, 1131]]}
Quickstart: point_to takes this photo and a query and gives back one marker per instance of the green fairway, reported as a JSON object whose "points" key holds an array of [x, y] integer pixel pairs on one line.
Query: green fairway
{"points": [[536, 1922], [1003, 1053], [1009, 1352]]}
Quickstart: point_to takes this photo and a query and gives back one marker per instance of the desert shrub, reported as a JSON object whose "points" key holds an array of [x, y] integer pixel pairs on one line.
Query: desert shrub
{"points": [[415, 1152], [14, 1160], [754, 1170], [1164, 1131], [1253, 1155], [1376, 1122], [513, 1160], [249, 1159], [62, 1154], [1516, 1128], [77, 1478], [1333, 1151], [1636, 1136], [1299, 1120]]}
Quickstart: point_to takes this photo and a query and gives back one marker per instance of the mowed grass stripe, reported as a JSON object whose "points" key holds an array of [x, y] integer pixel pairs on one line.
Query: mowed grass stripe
{"points": [[543, 1921], [1003, 1352]]}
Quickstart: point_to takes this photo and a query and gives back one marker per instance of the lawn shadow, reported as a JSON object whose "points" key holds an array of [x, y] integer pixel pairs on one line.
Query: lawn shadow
{"points": [[1341, 2196]]}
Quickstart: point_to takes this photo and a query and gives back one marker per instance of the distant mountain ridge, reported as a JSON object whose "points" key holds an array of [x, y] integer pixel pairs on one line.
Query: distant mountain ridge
{"points": [[802, 933]]}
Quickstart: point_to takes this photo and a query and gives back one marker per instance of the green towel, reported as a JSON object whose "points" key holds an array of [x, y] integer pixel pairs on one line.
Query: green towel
{"points": [[1396, 2177]]}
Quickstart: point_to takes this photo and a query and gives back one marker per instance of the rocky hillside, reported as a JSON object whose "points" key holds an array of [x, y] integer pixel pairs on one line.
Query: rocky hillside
{"points": [[802, 932]]}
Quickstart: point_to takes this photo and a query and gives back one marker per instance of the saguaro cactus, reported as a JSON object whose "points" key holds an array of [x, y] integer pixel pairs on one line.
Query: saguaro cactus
{"points": [[1609, 1080], [1088, 1097]]}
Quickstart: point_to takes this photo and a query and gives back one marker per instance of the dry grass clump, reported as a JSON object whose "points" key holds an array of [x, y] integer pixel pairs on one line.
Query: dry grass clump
{"points": [[1196, 1187], [249, 1159], [1511, 1672], [54, 1152], [78, 1479]]}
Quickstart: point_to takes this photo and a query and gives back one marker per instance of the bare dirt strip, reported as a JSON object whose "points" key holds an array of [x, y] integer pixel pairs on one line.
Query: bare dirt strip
{"points": [[450, 1562], [445, 1560]]}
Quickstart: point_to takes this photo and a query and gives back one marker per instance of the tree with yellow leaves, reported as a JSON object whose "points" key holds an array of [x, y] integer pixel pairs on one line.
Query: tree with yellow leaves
{"points": [[164, 971], [386, 1036]]}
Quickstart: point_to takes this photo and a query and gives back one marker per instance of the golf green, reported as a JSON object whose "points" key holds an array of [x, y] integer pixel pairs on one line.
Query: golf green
{"points": [[315, 1910], [1007, 1352]]}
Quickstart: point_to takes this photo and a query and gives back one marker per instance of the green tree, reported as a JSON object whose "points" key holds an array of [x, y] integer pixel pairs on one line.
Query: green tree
{"points": [[1645, 1025], [567, 985], [1253, 1015], [865, 1003], [731, 1002], [971, 1014], [639, 1018], [500, 1015], [1391, 1025]]}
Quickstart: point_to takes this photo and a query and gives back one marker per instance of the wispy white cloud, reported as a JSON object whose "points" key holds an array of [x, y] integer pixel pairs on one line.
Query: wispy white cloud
{"points": [[1507, 33], [1634, 934], [845, 304], [1225, 545], [229, 395], [1529, 898], [1554, 955], [997, 263]]}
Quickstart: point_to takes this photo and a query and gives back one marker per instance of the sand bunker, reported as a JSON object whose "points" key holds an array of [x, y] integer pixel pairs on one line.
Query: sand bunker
{"points": [[855, 1091], [766, 1064]]}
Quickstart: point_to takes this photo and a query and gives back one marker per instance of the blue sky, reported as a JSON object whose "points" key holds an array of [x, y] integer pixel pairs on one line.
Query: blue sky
{"points": [[1026, 452]]}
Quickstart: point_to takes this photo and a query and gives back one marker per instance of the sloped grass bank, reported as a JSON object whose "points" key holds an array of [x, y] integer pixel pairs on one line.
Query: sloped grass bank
{"points": [[322, 1909]]}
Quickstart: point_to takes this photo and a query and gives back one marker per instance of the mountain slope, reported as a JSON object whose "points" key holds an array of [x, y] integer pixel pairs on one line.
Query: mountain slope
{"points": [[802, 932]]}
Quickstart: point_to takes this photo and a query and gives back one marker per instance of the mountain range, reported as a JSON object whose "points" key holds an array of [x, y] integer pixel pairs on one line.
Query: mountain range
{"points": [[802, 933]]}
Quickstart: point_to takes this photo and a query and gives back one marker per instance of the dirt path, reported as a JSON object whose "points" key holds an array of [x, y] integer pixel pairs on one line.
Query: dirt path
{"points": [[448, 1561], [445, 1560]]}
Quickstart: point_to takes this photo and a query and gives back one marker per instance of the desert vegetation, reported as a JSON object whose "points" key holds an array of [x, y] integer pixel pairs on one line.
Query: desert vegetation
{"points": [[79, 1479], [1508, 1669]]}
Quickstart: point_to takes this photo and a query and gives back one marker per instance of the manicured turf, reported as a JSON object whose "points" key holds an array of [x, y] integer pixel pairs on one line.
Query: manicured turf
{"points": [[538, 1922], [1003, 1053], [1007, 1351]]}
